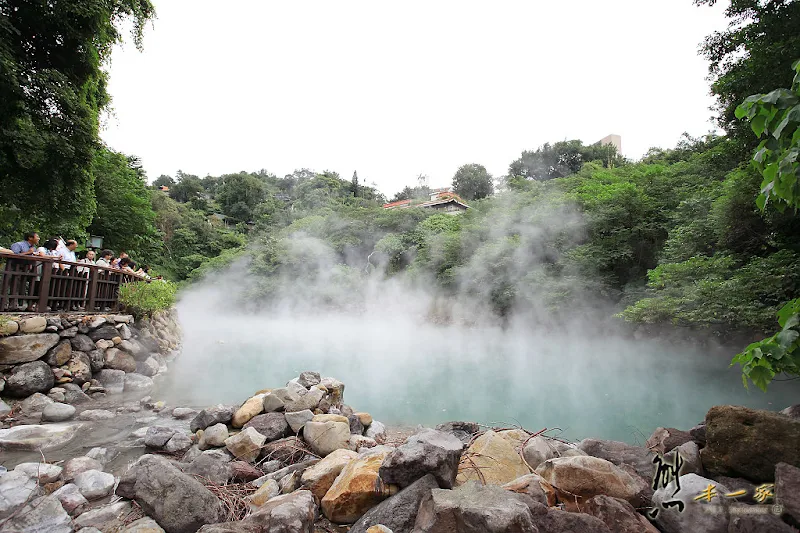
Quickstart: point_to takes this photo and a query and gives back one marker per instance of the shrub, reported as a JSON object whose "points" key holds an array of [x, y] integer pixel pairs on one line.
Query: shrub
{"points": [[144, 299]]}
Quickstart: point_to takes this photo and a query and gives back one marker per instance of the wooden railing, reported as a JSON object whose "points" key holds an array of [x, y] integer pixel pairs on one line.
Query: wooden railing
{"points": [[51, 285]]}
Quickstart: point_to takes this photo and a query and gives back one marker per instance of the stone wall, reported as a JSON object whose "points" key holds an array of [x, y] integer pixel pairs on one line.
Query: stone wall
{"points": [[73, 358]]}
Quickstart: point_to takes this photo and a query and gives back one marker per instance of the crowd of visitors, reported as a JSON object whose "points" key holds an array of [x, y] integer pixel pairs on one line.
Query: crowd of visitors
{"points": [[65, 250]]}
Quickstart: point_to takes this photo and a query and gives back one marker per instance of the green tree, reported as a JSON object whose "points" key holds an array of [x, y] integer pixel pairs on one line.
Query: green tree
{"points": [[239, 195], [52, 90], [473, 182], [187, 187], [124, 217], [163, 181], [561, 159], [354, 183], [753, 55]]}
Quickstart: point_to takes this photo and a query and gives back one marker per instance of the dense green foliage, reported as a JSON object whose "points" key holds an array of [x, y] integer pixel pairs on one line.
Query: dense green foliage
{"points": [[52, 90], [145, 299], [473, 182], [776, 117], [562, 159]]}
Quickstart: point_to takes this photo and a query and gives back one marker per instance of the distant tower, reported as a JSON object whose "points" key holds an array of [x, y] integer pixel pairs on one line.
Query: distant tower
{"points": [[615, 140]]}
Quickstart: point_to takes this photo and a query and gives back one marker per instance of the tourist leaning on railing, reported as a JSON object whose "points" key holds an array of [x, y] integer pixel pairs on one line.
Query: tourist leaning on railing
{"points": [[27, 246]]}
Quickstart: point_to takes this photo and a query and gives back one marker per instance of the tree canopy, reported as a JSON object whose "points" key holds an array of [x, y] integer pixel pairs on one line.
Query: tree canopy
{"points": [[473, 182]]}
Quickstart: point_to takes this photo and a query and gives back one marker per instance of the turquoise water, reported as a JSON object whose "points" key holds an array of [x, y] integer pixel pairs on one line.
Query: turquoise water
{"points": [[406, 372]]}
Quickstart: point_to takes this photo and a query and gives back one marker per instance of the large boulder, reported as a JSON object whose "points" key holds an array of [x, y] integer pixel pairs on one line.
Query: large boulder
{"points": [[473, 508], [288, 513], [309, 400], [620, 453], [42, 515], [463, 431], [16, 488], [158, 436], [178, 502], [57, 412], [94, 484], [107, 332], [138, 384], [212, 415], [319, 477], [539, 449], [44, 472], [250, 408], [38, 437], [29, 378], [787, 492], [34, 324], [119, 360], [59, 354], [309, 379], [272, 425], [214, 465], [112, 380], [298, 419], [213, 437], [706, 516], [82, 343], [427, 452], [399, 512], [246, 445], [748, 443], [576, 479], [619, 515], [78, 465], [25, 348], [325, 437], [491, 459], [355, 490], [97, 359]]}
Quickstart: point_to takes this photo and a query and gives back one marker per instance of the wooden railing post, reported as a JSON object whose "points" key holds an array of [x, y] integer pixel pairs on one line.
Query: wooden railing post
{"points": [[44, 286], [92, 291]]}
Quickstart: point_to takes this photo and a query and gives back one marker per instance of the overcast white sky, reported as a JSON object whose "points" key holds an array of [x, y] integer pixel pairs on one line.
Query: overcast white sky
{"points": [[395, 89]]}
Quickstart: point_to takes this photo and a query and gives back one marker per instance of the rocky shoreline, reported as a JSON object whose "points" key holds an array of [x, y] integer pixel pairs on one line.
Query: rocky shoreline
{"points": [[90, 453]]}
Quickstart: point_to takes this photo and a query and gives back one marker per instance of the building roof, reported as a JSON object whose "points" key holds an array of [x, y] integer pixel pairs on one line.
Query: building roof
{"points": [[442, 196]]}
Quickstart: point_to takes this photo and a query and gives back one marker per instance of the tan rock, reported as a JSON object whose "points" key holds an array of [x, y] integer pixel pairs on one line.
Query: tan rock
{"points": [[246, 445], [143, 525], [356, 489], [250, 408], [265, 492], [117, 340], [379, 529], [515, 437], [325, 437], [491, 459], [330, 418], [618, 515], [576, 479], [364, 418], [534, 486], [34, 324], [319, 478], [8, 328]]}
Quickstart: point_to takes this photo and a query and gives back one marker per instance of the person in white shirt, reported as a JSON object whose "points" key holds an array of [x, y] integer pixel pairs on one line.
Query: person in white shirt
{"points": [[105, 258], [89, 260], [69, 253]]}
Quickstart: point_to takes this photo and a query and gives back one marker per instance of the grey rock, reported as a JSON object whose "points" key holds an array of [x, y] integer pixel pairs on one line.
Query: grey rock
{"points": [[463, 431], [763, 523], [213, 465], [97, 359], [287, 513], [74, 395], [690, 453], [4, 408], [183, 412], [399, 513], [15, 489], [44, 472], [102, 455], [309, 379], [78, 465], [427, 452], [179, 443], [272, 403], [376, 431], [71, 499], [82, 343], [214, 436], [81, 367], [43, 515], [473, 508], [112, 380], [787, 491], [94, 484], [298, 419], [664, 440], [143, 525], [29, 378], [696, 516], [25, 348], [555, 520], [107, 332], [96, 322], [619, 515], [138, 384], [212, 415], [792, 411], [38, 437], [106, 518], [68, 333], [309, 400], [356, 427], [158, 436], [55, 321], [178, 502], [118, 360], [620, 453], [58, 412], [34, 405], [272, 425], [124, 332], [539, 449], [96, 414], [148, 367], [59, 354]]}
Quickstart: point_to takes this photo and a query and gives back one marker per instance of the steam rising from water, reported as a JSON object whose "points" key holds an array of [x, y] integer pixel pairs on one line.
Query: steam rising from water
{"points": [[378, 336]]}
